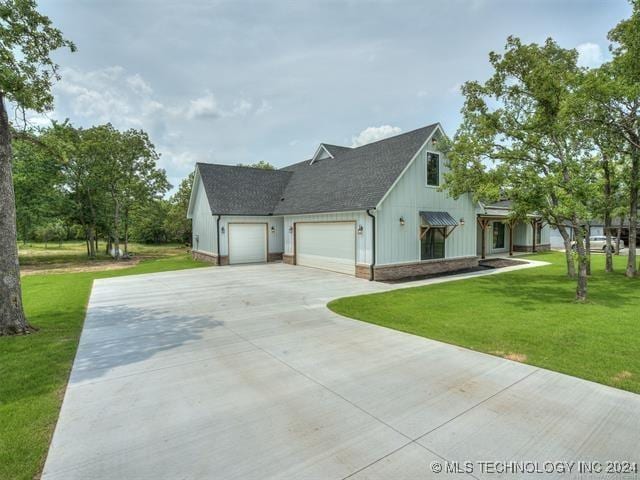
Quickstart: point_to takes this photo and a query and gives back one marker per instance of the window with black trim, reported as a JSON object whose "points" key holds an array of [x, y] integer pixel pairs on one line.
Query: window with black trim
{"points": [[433, 169], [432, 243]]}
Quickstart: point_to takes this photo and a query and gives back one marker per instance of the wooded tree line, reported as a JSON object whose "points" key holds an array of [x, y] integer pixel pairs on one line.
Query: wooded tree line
{"points": [[557, 139], [95, 184]]}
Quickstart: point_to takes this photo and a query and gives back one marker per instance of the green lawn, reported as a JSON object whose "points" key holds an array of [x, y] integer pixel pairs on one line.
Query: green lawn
{"points": [[35, 368], [525, 315]]}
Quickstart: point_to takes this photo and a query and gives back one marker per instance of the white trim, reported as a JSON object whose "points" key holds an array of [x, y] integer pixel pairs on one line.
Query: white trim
{"points": [[196, 177], [315, 155], [438, 128]]}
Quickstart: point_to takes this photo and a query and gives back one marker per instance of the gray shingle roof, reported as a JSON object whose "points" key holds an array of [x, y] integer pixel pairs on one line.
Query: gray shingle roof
{"points": [[336, 150], [242, 190], [355, 179]]}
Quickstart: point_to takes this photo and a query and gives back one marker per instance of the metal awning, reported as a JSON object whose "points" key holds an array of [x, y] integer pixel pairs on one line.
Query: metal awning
{"points": [[438, 219]]}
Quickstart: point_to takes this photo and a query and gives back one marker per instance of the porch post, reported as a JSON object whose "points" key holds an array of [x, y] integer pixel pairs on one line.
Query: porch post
{"points": [[484, 223]]}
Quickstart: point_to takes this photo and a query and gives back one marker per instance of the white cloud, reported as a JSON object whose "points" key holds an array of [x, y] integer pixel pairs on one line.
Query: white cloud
{"points": [[373, 134], [589, 55], [205, 106]]}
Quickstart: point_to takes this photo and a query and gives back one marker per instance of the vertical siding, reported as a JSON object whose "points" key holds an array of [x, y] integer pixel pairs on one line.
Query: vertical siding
{"points": [[203, 223], [363, 241], [275, 239], [401, 244]]}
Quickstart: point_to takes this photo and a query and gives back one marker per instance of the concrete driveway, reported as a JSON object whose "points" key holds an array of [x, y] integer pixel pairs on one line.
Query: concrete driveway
{"points": [[242, 373]]}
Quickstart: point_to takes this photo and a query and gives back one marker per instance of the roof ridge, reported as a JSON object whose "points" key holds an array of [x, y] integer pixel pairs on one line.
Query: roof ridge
{"points": [[431, 125], [239, 166]]}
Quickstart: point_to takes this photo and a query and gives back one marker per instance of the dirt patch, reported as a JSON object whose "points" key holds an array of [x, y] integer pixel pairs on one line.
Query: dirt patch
{"points": [[516, 357], [623, 375], [77, 267]]}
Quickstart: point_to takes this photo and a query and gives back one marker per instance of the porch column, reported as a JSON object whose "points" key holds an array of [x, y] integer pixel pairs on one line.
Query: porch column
{"points": [[484, 223]]}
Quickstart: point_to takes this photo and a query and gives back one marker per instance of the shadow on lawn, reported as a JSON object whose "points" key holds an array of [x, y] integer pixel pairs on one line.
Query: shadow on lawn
{"points": [[120, 336], [557, 289]]}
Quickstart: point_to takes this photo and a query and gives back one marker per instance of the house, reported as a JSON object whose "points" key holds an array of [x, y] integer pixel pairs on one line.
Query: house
{"points": [[374, 211], [596, 227], [500, 232]]}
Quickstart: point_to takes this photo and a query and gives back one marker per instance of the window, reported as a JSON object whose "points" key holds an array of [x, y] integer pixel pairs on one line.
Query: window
{"points": [[498, 235], [433, 169], [432, 243]]}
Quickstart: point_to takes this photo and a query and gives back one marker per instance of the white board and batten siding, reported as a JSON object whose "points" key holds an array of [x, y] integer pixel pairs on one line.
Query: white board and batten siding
{"points": [[329, 246], [204, 224], [247, 242], [401, 243], [363, 241], [274, 225]]}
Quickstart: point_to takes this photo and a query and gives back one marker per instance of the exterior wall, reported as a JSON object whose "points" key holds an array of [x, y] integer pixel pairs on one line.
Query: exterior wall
{"points": [[431, 267], [489, 239], [401, 244], [275, 239], [203, 223], [363, 241], [523, 238]]}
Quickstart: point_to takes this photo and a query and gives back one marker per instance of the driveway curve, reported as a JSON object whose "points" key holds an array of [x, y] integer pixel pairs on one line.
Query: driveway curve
{"points": [[243, 373]]}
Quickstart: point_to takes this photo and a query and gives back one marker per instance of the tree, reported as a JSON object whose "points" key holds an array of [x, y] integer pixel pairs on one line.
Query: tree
{"points": [[27, 72], [37, 180], [261, 164], [177, 225], [518, 138], [613, 93]]}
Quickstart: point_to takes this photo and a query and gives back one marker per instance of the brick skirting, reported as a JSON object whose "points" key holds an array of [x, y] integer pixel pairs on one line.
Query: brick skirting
{"points": [[209, 257], [274, 257], [288, 259], [363, 271], [527, 248], [395, 272]]}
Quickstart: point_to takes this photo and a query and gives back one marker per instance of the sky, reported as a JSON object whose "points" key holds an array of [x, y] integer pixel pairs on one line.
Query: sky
{"points": [[240, 82]]}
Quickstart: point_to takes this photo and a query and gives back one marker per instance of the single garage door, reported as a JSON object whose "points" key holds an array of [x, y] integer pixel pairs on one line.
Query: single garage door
{"points": [[330, 246], [247, 242]]}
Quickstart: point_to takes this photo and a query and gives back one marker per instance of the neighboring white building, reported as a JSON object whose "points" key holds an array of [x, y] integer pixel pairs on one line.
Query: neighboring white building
{"points": [[374, 211]]}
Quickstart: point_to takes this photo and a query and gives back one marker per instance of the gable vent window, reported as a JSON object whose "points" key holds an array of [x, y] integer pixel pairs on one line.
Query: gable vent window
{"points": [[433, 169]]}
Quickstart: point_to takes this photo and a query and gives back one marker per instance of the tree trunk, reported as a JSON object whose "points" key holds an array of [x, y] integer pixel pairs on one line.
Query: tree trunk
{"points": [[587, 244], [116, 233], [571, 266], [126, 232], [609, 243], [619, 235], [581, 288], [91, 233], [97, 247], [12, 318], [632, 269]]}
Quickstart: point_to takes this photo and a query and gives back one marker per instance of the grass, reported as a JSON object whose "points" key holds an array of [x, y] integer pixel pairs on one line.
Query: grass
{"points": [[34, 369], [75, 253], [527, 316]]}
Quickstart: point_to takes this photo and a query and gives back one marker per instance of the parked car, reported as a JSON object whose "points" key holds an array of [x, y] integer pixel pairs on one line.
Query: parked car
{"points": [[598, 243]]}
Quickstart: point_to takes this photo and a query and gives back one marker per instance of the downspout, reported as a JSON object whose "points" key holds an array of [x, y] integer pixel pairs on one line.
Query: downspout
{"points": [[218, 239], [373, 244]]}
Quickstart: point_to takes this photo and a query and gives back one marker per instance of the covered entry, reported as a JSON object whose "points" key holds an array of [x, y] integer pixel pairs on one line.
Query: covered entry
{"points": [[247, 242], [330, 246]]}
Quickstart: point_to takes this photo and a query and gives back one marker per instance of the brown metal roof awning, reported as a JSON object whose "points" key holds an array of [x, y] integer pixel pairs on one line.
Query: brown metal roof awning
{"points": [[437, 220]]}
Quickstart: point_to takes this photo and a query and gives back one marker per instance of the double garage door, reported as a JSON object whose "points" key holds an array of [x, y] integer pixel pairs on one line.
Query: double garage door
{"points": [[247, 242], [330, 246]]}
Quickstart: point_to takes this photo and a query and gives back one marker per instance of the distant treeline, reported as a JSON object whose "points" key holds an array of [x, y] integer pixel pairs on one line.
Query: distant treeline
{"points": [[95, 184]]}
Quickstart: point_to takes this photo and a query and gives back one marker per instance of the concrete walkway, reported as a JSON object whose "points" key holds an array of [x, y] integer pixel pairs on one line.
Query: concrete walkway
{"points": [[242, 373]]}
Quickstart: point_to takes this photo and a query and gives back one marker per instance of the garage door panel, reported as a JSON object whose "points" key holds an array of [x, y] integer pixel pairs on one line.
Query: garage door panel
{"points": [[247, 243], [330, 246]]}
